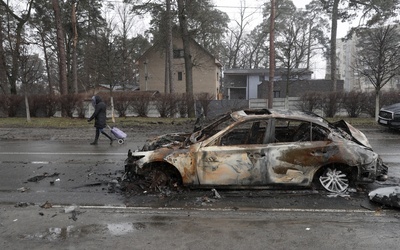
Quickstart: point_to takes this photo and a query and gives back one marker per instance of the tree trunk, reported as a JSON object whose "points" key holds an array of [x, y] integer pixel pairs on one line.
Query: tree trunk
{"points": [[112, 107], [62, 57], [74, 45], [186, 52], [3, 74], [271, 56], [309, 45], [28, 114], [46, 60], [333, 43], [376, 104]]}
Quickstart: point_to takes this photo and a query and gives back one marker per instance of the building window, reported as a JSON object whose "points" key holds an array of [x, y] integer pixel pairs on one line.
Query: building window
{"points": [[277, 94], [180, 76], [261, 78], [178, 53]]}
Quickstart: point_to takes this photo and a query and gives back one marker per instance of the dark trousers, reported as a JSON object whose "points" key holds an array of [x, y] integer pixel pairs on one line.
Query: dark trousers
{"points": [[100, 130]]}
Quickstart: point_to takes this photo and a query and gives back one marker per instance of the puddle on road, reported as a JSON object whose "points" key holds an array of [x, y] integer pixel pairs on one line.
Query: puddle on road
{"points": [[69, 232], [117, 229]]}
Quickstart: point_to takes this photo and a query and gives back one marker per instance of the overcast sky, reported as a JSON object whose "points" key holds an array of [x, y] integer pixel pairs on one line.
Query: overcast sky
{"points": [[232, 8]]}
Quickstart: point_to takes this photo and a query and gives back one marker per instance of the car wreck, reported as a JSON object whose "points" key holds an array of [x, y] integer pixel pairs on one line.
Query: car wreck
{"points": [[261, 147]]}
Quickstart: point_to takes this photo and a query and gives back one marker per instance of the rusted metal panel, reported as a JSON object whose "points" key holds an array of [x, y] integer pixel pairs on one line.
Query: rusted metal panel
{"points": [[230, 166]]}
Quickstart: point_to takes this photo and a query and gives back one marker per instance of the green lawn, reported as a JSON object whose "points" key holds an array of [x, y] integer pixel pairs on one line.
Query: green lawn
{"points": [[356, 121], [129, 121]]}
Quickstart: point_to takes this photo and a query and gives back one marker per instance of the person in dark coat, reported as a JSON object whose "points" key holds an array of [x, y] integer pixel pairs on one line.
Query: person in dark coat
{"points": [[99, 117]]}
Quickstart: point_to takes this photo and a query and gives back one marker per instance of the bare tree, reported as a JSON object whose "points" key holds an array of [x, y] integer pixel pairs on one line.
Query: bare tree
{"points": [[21, 20], [239, 32], [378, 59], [371, 11], [292, 48], [31, 71], [240, 48]]}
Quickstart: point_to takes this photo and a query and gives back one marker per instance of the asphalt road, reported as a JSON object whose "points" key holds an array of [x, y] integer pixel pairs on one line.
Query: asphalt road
{"points": [[61, 194]]}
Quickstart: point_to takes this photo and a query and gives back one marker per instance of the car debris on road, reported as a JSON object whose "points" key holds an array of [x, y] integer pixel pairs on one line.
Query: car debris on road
{"points": [[389, 196]]}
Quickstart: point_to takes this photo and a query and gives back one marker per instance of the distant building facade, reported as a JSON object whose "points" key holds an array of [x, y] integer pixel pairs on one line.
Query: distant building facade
{"points": [[206, 69], [346, 54], [252, 83]]}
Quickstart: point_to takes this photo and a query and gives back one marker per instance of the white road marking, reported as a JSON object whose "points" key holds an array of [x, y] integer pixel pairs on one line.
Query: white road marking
{"points": [[147, 209], [389, 154]]}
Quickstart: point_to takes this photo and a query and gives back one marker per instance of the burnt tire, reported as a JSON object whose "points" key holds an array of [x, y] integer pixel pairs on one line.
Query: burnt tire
{"points": [[334, 180], [160, 178], [157, 178]]}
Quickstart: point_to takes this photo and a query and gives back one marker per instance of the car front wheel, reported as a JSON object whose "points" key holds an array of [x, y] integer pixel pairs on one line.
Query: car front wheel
{"points": [[334, 180], [157, 178]]}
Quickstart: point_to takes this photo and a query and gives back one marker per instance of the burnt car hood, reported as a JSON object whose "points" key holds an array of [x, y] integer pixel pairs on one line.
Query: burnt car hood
{"points": [[172, 140], [393, 108], [356, 135]]}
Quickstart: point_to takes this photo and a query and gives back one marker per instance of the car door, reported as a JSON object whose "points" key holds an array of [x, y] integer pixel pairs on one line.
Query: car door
{"points": [[235, 156], [300, 148]]}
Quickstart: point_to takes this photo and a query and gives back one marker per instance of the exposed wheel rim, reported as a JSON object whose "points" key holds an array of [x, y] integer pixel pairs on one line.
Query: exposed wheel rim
{"points": [[334, 181]]}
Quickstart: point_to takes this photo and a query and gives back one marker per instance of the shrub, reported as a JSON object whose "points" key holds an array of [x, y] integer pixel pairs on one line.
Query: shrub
{"points": [[166, 105], [353, 102], [141, 103], [12, 103], [122, 102], [3, 105], [51, 103], [34, 105], [69, 103], [81, 107], [310, 101], [205, 99], [389, 97], [182, 105], [330, 103]]}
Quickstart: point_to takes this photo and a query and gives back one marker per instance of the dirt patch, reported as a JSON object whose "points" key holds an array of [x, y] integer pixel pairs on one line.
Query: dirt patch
{"points": [[141, 132]]}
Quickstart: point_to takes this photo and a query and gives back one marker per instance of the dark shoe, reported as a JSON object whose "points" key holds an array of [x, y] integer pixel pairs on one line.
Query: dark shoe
{"points": [[93, 143], [111, 141]]}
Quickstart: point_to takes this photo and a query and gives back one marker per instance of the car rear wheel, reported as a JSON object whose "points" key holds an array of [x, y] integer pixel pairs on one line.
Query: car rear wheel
{"points": [[334, 180]]}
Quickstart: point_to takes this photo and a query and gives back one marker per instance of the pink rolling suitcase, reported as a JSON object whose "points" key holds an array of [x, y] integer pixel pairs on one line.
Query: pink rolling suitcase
{"points": [[119, 134]]}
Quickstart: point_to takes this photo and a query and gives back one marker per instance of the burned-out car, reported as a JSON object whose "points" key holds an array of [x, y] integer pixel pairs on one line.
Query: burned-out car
{"points": [[253, 148]]}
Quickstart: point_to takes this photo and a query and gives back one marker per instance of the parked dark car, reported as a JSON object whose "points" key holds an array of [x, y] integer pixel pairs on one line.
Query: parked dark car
{"points": [[389, 116], [253, 148]]}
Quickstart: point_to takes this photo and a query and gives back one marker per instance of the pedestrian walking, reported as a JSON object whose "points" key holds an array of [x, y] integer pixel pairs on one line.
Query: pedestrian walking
{"points": [[99, 117]]}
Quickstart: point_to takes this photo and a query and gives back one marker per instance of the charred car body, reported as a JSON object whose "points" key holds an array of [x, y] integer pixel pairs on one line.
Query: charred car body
{"points": [[389, 116], [252, 148]]}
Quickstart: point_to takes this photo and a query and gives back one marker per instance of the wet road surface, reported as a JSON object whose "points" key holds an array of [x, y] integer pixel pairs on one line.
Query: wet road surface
{"points": [[74, 173]]}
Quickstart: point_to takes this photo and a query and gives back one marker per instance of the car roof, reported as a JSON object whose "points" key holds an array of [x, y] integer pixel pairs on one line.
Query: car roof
{"points": [[250, 114]]}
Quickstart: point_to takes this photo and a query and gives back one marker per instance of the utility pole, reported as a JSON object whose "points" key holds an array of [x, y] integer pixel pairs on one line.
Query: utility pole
{"points": [[271, 56], [169, 51]]}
